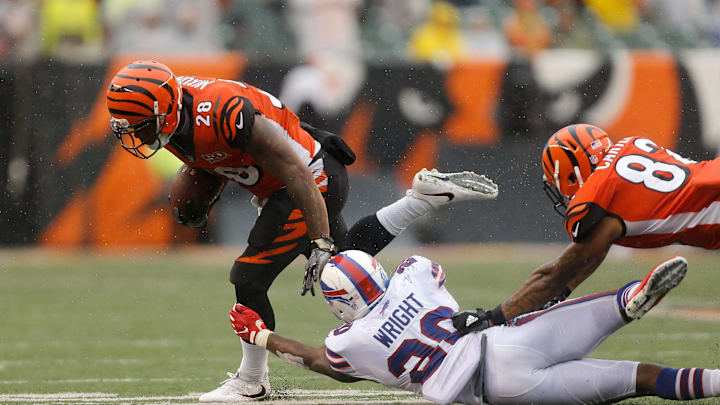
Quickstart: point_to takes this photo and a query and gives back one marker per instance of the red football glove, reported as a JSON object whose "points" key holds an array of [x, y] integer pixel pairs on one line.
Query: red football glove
{"points": [[247, 324]]}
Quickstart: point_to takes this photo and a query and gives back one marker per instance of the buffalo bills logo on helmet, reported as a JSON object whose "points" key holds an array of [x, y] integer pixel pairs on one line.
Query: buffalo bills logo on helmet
{"points": [[368, 289], [352, 282]]}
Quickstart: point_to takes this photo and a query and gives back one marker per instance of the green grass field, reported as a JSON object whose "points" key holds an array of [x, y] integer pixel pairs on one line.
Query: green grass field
{"points": [[152, 327]]}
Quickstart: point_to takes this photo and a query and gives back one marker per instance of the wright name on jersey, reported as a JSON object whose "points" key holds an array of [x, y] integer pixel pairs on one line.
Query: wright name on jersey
{"points": [[660, 197], [407, 340]]}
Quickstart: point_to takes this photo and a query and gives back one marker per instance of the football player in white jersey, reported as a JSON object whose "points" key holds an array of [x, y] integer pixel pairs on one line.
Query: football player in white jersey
{"points": [[399, 333]]}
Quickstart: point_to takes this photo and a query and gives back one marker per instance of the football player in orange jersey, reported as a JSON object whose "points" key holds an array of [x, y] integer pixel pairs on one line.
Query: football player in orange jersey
{"points": [[633, 193], [234, 131]]}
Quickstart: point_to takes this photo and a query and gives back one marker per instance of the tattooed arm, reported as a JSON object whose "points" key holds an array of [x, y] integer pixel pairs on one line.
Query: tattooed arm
{"points": [[567, 271]]}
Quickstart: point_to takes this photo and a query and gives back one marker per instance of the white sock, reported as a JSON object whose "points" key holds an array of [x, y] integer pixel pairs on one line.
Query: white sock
{"points": [[711, 380], [398, 215], [254, 362]]}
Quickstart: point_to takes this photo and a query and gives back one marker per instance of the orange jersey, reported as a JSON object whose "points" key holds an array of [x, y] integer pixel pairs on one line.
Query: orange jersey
{"points": [[660, 197], [218, 119]]}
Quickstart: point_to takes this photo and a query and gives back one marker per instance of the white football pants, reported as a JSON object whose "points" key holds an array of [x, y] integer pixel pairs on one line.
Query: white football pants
{"points": [[539, 359]]}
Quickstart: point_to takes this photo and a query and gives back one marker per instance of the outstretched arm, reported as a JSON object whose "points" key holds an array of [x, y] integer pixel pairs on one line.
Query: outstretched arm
{"points": [[300, 354], [572, 267], [247, 324]]}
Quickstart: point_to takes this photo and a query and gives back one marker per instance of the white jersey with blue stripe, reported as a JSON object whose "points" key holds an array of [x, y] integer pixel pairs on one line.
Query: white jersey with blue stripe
{"points": [[407, 340]]}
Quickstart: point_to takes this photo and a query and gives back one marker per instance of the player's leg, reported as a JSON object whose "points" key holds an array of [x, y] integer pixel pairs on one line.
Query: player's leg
{"points": [[519, 356], [654, 286], [678, 384], [277, 238], [585, 381], [430, 190], [566, 331], [572, 329], [537, 354], [594, 381]]}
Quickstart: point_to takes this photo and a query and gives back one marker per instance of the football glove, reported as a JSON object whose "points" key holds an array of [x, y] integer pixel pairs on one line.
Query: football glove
{"points": [[471, 321], [321, 249], [247, 324]]}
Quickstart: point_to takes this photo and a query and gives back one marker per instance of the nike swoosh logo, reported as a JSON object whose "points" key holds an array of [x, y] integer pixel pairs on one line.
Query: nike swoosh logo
{"points": [[450, 196], [244, 330], [240, 124], [575, 229], [259, 394]]}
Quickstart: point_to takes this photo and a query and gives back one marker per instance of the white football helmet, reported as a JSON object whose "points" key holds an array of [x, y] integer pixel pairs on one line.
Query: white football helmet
{"points": [[352, 282]]}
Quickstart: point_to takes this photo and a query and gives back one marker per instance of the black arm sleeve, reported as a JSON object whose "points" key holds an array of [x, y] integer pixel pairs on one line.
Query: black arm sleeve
{"points": [[582, 218]]}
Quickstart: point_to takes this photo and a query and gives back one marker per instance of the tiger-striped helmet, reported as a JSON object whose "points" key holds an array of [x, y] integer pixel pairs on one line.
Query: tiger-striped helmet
{"points": [[144, 100], [569, 158]]}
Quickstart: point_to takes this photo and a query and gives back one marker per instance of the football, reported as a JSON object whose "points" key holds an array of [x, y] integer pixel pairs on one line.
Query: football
{"points": [[192, 194]]}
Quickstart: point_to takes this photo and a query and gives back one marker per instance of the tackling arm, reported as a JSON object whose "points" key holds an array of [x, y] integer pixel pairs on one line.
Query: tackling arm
{"points": [[300, 354], [272, 151], [572, 267], [248, 325]]}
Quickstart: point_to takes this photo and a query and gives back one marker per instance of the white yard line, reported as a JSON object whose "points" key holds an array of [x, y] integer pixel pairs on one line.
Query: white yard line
{"points": [[107, 380], [299, 396], [334, 393]]}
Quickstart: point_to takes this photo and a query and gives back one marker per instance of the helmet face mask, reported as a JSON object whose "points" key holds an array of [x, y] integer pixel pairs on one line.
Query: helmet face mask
{"points": [[569, 158], [144, 100], [352, 283], [560, 202], [142, 139]]}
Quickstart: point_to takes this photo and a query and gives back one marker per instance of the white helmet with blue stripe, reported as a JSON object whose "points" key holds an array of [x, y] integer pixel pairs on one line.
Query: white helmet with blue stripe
{"points": [[352, 282]]}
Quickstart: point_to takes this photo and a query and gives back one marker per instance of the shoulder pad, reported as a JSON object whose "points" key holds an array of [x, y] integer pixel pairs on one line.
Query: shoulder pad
{"points": [[427, 269]]}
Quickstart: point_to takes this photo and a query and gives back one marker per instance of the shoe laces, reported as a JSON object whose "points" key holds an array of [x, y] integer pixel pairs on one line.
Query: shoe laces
{"points": [[233, 376]]}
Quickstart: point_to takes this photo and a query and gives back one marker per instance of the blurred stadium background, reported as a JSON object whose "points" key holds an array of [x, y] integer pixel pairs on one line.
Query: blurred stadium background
{"points": [[101, 292]]}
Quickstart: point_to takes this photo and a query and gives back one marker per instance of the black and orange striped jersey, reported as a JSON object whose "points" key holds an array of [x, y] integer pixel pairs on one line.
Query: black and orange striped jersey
{"points": [[660, 197], [217, 125]]}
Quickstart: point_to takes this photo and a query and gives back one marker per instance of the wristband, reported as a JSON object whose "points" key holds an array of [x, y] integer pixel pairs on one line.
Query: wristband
{"points": [[262, 337], [324, 243], [496, 316]]}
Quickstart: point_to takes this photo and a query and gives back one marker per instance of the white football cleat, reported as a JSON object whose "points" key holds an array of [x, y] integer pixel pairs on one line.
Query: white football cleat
{"points": [[442, 188], [236, 389], [663, 278]]}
